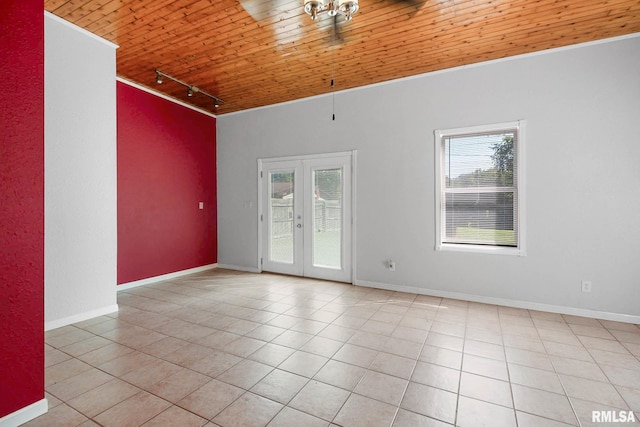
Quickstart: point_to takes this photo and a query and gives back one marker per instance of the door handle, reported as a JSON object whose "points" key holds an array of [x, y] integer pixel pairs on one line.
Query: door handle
{"points": [[299, 225]]}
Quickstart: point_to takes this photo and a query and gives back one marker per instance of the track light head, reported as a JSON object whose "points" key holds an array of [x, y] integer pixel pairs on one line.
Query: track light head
{"points": [[189, 91], [158, 78]]}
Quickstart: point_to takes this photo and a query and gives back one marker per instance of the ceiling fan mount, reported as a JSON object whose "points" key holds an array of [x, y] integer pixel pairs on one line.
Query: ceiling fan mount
{"points": [[346, 8]]}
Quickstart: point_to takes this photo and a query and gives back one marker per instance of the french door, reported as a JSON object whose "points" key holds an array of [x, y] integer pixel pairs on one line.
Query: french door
{"points": [[305, 216]]}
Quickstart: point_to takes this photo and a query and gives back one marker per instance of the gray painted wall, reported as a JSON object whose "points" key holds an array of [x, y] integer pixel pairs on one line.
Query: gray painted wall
{"points": [[80, 174], [582, 107]]}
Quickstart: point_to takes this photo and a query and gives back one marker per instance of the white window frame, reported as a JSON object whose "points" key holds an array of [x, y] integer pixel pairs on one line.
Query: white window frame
{"points": [[518, 250]]}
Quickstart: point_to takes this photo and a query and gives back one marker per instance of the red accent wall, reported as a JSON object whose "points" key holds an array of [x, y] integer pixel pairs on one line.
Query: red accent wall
{"points": [[166, 166], [21, 205]]}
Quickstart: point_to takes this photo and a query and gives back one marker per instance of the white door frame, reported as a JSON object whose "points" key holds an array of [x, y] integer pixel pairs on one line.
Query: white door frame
{"points": [[261, 161]]}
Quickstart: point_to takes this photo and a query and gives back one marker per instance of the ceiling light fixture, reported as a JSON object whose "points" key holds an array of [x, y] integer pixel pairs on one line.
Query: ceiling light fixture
{"points": [[191, 89], [347, 8]]}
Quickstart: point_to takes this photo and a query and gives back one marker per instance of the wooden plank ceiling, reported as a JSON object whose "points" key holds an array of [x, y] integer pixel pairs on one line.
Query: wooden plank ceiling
{"points": [[252, 53]]}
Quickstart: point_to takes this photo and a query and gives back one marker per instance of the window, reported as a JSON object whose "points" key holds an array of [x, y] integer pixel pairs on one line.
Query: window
{"points": [[479, 189]]}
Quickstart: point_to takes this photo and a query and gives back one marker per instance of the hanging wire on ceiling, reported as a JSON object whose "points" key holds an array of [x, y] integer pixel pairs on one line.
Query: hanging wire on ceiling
{"points": [[191, 89], [333, 65]]}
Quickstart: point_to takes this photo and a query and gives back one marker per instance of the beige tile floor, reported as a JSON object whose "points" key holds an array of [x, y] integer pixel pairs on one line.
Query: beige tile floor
{"points": [[237, 349]]}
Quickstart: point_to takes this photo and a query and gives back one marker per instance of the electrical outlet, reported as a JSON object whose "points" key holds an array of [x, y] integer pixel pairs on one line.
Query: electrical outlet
{"points": [[391, 264], [586, 286]]}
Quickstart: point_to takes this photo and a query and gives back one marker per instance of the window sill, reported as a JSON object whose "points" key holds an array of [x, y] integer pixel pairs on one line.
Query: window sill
{"points": [[481, 249]]}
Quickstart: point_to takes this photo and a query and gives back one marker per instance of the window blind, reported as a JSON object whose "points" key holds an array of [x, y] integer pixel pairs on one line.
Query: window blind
{"points": [[479, 188]]}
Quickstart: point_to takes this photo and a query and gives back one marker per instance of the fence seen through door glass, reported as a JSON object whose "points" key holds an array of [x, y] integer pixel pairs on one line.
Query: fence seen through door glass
{"points": [[327, 218], [282, 216]]}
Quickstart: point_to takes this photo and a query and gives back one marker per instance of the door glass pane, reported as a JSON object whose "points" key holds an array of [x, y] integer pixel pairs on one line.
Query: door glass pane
{"points": [[281, 216], [327, 218]]}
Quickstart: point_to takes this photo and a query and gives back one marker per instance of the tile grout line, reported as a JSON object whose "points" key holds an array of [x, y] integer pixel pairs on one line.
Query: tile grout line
{"points": [[506, 362], [415, 364], [573, 409]]}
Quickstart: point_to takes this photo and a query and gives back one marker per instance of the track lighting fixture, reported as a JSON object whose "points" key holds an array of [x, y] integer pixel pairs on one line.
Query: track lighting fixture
{"points": [[191, 89]]}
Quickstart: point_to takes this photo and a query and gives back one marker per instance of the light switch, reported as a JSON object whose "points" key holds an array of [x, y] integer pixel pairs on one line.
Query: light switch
{"points": [[201, 205]]}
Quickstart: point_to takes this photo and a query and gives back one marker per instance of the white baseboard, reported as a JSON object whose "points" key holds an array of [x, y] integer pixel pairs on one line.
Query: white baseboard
{"points": [[583, 312], [80, 317], [25, 414], [239, 268], [167, 276]]}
